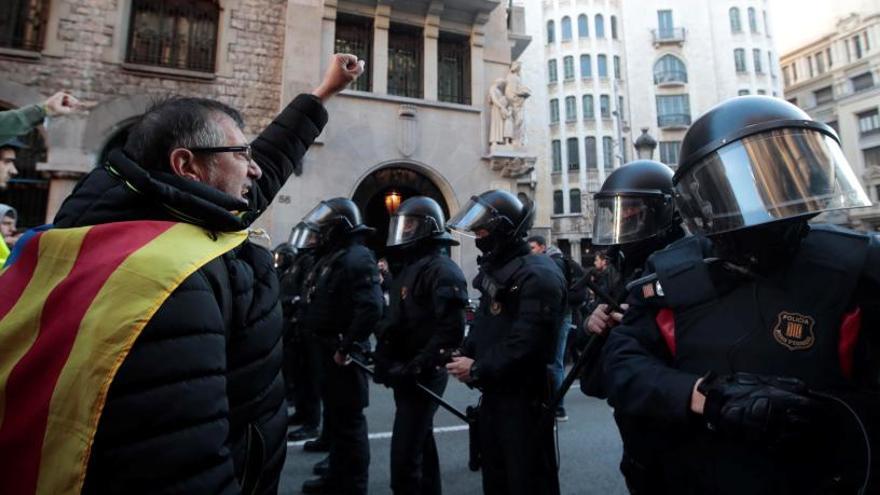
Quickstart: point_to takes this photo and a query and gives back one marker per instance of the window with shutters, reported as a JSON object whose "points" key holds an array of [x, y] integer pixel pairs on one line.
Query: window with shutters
{"points": [[405, 61], [174, 33], [354, 35], [23, 24]]}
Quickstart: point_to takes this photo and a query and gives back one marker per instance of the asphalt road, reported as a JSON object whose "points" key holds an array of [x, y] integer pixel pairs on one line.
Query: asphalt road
{"points": [[589, 447]]}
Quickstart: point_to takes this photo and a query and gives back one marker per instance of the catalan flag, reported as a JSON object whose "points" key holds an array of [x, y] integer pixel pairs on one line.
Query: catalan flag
{"points": [[72, 303]]}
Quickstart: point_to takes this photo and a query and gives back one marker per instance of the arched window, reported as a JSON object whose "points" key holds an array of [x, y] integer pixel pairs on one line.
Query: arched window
{"points": [[551, 32], [551, 71], [602, 62], [670, 69], [571, 148], [558, 208], [613, 27], [735, 25], [600, 26], [586, 66], [566, 28], [574, 200], [180, 35], [753, 20], [583, 26]]}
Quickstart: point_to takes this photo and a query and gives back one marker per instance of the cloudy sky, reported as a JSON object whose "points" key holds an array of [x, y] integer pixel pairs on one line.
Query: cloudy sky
{"points": [[798, 22]]}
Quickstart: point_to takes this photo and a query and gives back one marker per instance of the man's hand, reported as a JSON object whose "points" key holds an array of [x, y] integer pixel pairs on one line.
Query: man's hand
{"points": [[343, 69], [460, 368], [61, 103], [764, 409], [601, 321], [341, 359]]}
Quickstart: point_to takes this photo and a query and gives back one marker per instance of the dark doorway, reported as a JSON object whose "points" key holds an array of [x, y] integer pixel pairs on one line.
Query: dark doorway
{"points": [[371, 194], [28, 192]]}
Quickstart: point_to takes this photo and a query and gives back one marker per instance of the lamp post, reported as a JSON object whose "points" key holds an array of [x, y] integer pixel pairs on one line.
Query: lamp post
{"points": [[392, 201], [645, 145]]}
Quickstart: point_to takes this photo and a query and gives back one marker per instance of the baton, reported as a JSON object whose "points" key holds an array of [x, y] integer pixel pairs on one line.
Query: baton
{"points": [[436, 398], [593, 346], [601, 294]]}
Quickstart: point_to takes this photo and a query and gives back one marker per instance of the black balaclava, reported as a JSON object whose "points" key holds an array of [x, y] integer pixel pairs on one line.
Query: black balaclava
{"points": [[764, 247]]}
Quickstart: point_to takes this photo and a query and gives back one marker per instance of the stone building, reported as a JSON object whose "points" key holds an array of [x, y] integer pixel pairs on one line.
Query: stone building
{"points": [[416, 123], [608, 68], [836, 79]]}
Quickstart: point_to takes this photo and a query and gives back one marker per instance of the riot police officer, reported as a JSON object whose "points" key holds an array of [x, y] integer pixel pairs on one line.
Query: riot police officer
{"points": [[424, 325], [303, 350], [344, 303], [510, 343], [284, 255], [752, 342], [635, 216]]}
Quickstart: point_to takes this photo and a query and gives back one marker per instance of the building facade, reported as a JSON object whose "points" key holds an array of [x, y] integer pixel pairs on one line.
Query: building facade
{"points": [[615, 67], [415, 123], [836, 79]]}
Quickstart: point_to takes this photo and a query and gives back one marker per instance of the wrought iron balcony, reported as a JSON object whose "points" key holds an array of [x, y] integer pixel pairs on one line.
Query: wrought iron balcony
{"points": [[668, 35], [672, 120], [670, 78]]}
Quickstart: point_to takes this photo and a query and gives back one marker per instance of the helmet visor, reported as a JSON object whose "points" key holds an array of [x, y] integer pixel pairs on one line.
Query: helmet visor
{"points": [[625, 219], [780, 174], [303, 237], [473, 216], [319, 214], [403, 229]]}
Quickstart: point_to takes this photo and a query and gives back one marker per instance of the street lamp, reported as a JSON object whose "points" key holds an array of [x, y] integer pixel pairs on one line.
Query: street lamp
{"points": [[645, 145]]}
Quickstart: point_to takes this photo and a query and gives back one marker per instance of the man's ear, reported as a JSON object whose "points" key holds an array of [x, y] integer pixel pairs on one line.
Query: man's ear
{"points": [[183, 163]]}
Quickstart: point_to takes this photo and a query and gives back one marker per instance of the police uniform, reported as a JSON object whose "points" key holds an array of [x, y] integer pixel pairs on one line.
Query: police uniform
{"points": [[512, 340], [750, 345], [425, 323], [301, 363], [344, 303]]}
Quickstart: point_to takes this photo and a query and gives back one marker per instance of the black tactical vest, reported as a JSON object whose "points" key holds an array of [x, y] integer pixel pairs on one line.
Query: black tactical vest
{"points": [[790, 323]]}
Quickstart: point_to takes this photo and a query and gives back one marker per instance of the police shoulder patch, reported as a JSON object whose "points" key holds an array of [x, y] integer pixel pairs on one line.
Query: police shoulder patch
{"points": [[794, 331]]}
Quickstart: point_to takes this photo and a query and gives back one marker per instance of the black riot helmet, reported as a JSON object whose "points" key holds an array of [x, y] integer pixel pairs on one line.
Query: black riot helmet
{"points": [[635, 203], [284, 255], [504, 216], [754, 160], [335, 220], [303, 237], [415, 220], [497, 211]]}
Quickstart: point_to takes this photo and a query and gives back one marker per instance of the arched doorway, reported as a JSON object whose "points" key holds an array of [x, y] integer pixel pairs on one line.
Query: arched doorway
{"points": [[373, 190], [28, 192]]}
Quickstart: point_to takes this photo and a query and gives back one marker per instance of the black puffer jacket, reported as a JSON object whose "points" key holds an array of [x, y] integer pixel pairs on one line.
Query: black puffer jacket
{"points": [[198, 406]]}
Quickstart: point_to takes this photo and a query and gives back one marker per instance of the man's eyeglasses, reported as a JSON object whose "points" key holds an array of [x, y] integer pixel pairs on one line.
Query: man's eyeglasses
{"points": [[245, 148]]}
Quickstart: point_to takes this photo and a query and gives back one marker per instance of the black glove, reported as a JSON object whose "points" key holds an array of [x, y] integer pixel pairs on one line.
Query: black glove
{"points": [[765, 409], [395, 374]]}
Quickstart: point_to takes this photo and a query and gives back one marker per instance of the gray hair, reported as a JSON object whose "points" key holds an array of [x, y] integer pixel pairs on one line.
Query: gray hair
{"points": [[177, 122]]}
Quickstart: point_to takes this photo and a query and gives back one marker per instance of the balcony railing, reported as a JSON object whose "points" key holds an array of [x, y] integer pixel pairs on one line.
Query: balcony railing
{"points": [[669, 35], [671, 77], [674, 120]]}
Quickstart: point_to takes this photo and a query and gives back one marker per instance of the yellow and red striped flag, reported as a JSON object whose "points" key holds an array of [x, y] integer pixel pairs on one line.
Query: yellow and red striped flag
{"points": [[72, 303]]}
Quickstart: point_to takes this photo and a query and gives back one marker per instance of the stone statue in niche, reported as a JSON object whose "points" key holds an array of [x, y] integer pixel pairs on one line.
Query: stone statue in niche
{"points": [[501, 125], [516, 94], [508, 97]]}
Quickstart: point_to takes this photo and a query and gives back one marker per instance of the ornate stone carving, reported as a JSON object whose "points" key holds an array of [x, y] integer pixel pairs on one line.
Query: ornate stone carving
{"points": [[407, 130]]}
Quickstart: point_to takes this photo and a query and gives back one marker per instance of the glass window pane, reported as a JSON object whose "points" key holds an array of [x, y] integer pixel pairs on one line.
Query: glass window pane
{"points": [[405, 61]]}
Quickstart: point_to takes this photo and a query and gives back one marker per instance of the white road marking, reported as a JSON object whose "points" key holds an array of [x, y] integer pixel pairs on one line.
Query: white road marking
{"points": [[387, 434]]}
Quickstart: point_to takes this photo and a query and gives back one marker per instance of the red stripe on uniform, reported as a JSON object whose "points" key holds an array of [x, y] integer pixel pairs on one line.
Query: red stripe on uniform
{"points": [[33, 379], [849, 335], [16, 277], [666, 323]]}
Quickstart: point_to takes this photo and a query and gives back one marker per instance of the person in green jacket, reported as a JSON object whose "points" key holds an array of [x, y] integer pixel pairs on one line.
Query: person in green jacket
{"points": [[20, 121]]}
